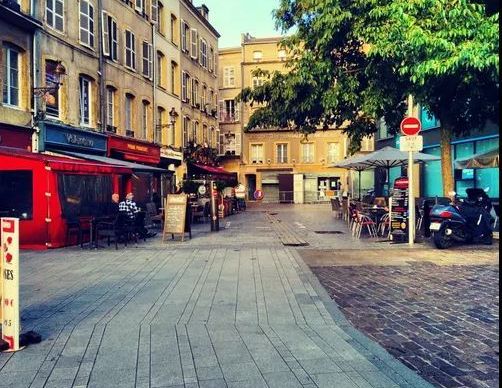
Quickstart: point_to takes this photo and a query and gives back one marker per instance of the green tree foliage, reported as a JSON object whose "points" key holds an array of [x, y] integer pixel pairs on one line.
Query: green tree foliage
{"points": [[354, 61]]}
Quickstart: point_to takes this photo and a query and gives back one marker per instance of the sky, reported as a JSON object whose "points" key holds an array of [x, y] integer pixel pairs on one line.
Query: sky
{"points": [[233, 17]]}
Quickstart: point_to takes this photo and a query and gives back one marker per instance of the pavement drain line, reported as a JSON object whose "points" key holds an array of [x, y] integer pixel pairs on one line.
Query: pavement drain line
{"points": [[328, 232]]}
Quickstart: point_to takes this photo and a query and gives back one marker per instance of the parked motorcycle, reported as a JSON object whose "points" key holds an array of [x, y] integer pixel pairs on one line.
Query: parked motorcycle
{"points": [[463, 221]]}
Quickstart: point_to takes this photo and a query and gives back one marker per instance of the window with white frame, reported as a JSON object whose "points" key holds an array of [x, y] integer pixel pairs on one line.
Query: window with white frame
{"points": [[203, 53], [229, 111], [129, 106], [174, 78], [160, 125], [333, 152], [282, 55], [210, 59], [194, 37], [110, 37], [282, 152], [147, 60], [257, 55], [174, 30], [130, 50], [154, 11], [203, 97], [258, 81], [257, 153], [185, 87], [54, 14], [85, 100], [11, 75], [110, 107], [51, 79], [145, 108], [195, 132], [228, 76], [205, 134], [86, 23], [185, 36], [195, 92], [139, 5], [308, 153]]}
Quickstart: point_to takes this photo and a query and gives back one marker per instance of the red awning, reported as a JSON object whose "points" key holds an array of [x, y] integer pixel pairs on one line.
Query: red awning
{"points": [[59, 163], [214, 170]]}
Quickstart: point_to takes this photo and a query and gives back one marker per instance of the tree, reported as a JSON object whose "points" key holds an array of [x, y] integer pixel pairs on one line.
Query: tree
{"points": [[354, 61]]}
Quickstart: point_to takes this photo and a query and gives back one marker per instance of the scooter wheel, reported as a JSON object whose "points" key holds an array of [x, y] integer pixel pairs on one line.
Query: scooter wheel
{"points": [[441, 240]]}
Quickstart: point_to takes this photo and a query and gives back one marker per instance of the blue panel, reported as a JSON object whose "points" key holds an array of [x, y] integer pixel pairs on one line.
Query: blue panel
{"points": [[56, 136], [428, 120]]}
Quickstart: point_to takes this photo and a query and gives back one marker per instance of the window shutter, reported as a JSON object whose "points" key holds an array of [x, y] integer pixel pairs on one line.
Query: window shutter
{"points": [[238, 143], [237, 109], [150, 61], [200, 51], [193, 41], [145, 54], [183, 36], [221, 110], [105, 34], [221, 143], [114, 49]]}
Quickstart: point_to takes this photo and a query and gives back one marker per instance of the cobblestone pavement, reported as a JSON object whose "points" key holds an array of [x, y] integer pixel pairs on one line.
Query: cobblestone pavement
{"points": [[232, 309]]}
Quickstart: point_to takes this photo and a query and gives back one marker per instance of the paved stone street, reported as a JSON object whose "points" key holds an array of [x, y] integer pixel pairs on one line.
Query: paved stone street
{"points": [[234, 309]]}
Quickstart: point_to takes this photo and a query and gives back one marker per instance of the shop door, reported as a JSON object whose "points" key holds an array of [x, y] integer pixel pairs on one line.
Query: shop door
{"points": [[251, 185], [271, 193], [286, 187]]}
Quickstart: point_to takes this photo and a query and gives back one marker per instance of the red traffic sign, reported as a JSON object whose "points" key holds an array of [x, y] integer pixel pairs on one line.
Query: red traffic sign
{"points": [[411, 126], [258, 195]]}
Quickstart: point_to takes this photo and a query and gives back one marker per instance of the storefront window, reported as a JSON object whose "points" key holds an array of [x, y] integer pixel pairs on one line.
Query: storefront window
{"points": [[433, 180], [16, 194], [488, 177], [466, 177], [84, 195]]}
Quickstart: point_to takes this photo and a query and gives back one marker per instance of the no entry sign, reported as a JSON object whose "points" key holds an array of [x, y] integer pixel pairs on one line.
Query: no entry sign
{"points": [[258, 195], [411, 126]]}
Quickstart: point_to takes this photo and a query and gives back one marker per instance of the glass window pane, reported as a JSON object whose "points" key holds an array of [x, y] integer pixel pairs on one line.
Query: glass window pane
{"points": [[433, 179]]}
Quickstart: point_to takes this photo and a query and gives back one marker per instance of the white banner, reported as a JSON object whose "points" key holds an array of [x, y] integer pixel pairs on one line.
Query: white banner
{"points": [[411, 143], [10, 281]]}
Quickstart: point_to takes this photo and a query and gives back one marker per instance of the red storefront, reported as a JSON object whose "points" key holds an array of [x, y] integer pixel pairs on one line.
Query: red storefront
{"points": [[47, 192], [15, 137], [142, 183]]}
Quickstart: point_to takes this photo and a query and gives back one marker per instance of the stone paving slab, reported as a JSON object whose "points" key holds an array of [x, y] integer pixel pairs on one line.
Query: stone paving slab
{"points": [[211, 312]]}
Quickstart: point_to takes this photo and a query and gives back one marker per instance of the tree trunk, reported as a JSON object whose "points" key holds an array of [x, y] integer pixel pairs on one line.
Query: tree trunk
{"points": [[446, 160]]}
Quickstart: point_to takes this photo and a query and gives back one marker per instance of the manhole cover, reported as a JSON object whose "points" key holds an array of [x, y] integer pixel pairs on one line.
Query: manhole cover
{"points": [[328, 232], [273, 214]]}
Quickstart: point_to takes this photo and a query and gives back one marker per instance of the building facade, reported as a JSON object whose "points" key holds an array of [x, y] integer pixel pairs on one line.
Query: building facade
{"points": [[285, 165]]}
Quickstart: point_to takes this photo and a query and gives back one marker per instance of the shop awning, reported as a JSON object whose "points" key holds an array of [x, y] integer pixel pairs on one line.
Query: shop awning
{"points": [[213, 170], [136, 167], [59, 163]]}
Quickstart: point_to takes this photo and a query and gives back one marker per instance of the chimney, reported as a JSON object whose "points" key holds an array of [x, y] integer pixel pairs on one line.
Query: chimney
{"points": [[204, 11]]}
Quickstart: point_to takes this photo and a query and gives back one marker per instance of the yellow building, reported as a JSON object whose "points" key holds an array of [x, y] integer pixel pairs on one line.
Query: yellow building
{"points": [[198, 42], [284, 164], [16, 59]]}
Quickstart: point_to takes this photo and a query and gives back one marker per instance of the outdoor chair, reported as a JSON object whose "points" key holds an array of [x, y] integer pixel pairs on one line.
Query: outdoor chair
{"points": [[345, 210], [384, 225], [363, 220], [152, 217], [336, 207], [117, 229], [72, 228], [139, 229]]}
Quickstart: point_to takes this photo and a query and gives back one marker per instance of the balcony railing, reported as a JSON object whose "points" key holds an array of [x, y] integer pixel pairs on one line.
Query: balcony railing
{"points": [[228, 118]]}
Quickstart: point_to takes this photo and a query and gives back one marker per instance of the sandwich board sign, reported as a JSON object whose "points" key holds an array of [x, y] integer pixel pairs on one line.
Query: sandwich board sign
{"points": [[175, 212]]}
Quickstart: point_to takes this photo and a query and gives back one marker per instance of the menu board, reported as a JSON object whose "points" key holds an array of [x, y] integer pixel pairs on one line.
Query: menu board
{"points": [[399, 217], [175, 215]]}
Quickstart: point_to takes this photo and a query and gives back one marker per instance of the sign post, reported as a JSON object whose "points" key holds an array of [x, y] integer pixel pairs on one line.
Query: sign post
{"points": [[9, 255], [411, 127]]}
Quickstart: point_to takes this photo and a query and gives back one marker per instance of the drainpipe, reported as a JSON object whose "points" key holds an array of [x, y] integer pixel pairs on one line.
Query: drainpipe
{"points": [[34, 80], [154, 82], [101, 69]]}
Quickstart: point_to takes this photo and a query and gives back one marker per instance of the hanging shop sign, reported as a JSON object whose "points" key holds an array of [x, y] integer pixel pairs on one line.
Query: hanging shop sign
{"points": [[133, 150]]}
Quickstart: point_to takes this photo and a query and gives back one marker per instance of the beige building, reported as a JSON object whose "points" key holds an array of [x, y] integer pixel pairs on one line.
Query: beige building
{"points": [[284, 164], [199, 76]]}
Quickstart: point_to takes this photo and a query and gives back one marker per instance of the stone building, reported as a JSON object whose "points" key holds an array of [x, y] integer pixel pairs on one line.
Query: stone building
{"points": [[284, 164]]}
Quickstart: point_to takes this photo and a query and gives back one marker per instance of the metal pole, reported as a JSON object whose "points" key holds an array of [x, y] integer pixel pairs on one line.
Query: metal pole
{"points": [[215, 224], [359, 185], [411, 201]]}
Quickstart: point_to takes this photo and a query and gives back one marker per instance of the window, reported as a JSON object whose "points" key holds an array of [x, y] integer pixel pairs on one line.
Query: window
{"points": [[333, 152], [160, 67], [161, 19], [54, 10], [228, 77], [428, 120], [282, 153], [160, 125], [203, 53], [11, 69], [85, 100], [174, 77], [210, 59], [129, 104], [86, 23], [257, 153], [16, 194], [155, 9], [229, 111], [185, 81], [205, 134], [185, 31], [308, 153], [130, 50], [186, 130], [110, 106], [257, 55], [195, 92], [282, 55], [195, 132], [139, 5], [203, 97], [144, 119], [174, 30], [110, 37], [193, 43], [51, 79], [147, 60], [257, 81]]}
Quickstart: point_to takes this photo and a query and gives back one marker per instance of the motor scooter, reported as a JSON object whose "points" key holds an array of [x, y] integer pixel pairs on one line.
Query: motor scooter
{"points": [[463, 221]]}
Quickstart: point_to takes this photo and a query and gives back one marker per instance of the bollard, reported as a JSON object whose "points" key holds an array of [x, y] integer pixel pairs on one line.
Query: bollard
{"points": [[215, 223]]}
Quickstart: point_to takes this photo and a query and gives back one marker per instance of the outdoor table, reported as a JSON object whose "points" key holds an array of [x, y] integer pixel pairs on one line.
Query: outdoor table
{"points": [[376, 213]]}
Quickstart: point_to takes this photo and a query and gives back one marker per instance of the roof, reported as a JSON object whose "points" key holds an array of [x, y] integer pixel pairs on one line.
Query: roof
{"points": [[59, 163], [201, 18]]}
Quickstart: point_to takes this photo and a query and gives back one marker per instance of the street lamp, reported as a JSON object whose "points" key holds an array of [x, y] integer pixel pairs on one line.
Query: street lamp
{"points": [[172, 120], [45, 91]]}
